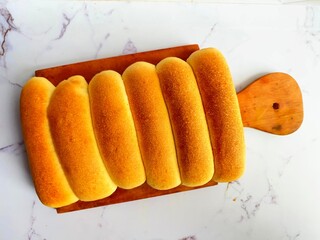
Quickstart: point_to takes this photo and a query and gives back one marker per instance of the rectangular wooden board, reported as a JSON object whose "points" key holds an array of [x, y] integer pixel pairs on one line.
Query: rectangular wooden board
{"points": [[119, 63], [122, 195], [88, 69]]}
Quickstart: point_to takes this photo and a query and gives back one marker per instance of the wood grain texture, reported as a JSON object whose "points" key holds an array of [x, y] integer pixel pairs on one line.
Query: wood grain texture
{"points": [[273, 103], [88, 69], [121, 195]]}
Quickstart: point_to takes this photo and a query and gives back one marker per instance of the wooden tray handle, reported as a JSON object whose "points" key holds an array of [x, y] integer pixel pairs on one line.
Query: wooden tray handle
{"points": [[272, 103]]}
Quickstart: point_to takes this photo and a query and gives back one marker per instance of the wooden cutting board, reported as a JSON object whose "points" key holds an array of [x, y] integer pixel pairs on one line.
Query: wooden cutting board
{"points": [[272, 103]]}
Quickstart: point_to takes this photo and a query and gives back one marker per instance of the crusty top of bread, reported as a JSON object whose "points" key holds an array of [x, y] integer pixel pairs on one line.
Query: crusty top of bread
{"points": [[115, 131], [74, 140], [50, 182], [188, 121], [152, 125], [222, 112]]}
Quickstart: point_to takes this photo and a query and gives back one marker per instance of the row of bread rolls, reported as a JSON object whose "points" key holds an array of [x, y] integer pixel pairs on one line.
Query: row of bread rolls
{"points": [[174, 123]]}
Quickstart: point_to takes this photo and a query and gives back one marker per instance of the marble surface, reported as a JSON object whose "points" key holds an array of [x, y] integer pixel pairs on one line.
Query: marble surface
{"points": [[278, 196]]}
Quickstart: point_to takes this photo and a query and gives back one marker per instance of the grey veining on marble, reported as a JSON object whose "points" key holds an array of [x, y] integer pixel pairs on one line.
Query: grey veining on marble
{"points": [[278, 196]]}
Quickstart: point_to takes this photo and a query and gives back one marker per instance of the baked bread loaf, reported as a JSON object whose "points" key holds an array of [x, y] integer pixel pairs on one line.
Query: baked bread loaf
{"points": [[114, 130], [190, 130], [177, 122], [74, 140], [48, 176], [152, 125], [222, 112]]}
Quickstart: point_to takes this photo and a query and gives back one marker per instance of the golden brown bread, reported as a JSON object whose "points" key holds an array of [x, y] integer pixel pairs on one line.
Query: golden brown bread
{"points": [[72, 133], [114, 129], [50, 182], [192, 141], [89, 143], [222, 112], [152, 125]]}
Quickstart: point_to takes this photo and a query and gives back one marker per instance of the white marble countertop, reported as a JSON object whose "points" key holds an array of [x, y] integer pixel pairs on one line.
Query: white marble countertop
{"points": [[278, 196]]}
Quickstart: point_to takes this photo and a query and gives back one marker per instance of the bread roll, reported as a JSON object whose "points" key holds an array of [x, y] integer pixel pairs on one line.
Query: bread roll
{"points": [[192, 141], [115, 131], [222, 113], [74, 140], [50, 182], [153, 125]]}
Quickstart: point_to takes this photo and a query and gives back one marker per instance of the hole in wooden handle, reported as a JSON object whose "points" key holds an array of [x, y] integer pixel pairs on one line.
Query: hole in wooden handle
{"points": [[275, 106]]}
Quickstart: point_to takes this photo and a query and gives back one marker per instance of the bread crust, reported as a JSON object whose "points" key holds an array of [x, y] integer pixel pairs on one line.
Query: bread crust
{"points": [[222, 112], [72, 133], [115, 131], [153, 126], [49, 180], [192, 141]]}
